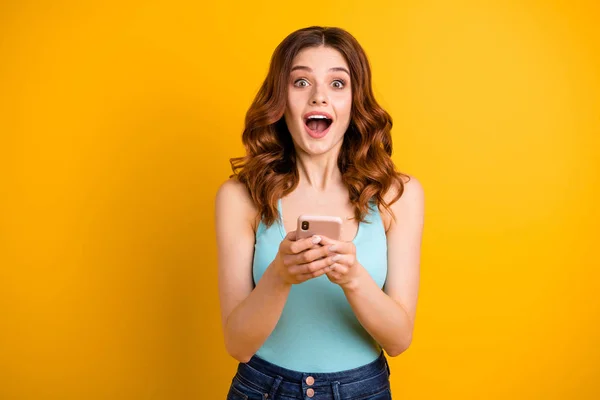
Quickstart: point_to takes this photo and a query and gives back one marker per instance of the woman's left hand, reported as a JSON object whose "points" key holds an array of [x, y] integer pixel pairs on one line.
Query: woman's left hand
{"points": [[345, 269]]}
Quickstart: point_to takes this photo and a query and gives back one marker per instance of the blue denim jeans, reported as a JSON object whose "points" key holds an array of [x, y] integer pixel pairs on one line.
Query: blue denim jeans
{"points": [[260, 380]]}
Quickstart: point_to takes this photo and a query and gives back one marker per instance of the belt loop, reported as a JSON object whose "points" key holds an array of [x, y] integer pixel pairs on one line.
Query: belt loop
{"points": [[387, 366], [335, 388], [275, 386]]}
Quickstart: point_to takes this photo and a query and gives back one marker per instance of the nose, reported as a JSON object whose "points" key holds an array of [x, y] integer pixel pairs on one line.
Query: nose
{"points": [[318, 96]]}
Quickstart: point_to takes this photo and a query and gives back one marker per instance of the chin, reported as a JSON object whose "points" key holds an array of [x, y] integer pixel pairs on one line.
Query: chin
{"points": [[318, 148]]}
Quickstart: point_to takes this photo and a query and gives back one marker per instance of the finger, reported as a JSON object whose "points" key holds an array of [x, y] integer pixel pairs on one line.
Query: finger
{"points": [[334, 276], [340, 247], [327, 241], [346, 260], [337, 272], [337, 246], [291, 260], [311, 267], [330, 269], [291, 235], [315, 274], [337, 258], [303, 244], [314, 253], [339, 269]]}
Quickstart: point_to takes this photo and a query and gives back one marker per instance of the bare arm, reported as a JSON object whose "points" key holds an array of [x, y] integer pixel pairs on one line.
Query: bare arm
{"points": [[252, 321], [249, 315], [389, 315]]}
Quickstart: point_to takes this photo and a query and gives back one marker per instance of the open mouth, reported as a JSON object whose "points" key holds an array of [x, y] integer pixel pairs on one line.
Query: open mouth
{"points": [[317, 124]]}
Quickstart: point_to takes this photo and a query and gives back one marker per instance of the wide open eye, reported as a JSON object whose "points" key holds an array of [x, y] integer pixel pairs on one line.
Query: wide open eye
{"points": [[338, 84], [301, 83]]}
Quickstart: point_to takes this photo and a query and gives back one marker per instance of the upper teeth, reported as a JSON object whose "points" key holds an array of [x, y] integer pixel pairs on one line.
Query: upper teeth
{"points": [[318, 116]]}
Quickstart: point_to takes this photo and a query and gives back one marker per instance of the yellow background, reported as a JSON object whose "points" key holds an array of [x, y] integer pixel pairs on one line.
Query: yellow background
{"points": [[117, 122]]}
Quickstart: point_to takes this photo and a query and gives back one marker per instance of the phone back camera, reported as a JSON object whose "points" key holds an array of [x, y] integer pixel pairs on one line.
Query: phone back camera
{"points": [[304, 225]]}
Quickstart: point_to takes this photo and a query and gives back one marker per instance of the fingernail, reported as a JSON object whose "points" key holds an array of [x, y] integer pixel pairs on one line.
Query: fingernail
{"points": [[316, 239], [336, 258], [332, 248]]}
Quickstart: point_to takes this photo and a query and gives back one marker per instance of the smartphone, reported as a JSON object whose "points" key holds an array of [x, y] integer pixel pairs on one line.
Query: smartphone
{"points": [[309, 225]]}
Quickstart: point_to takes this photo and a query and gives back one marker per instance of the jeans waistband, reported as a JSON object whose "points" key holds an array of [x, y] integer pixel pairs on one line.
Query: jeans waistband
{"points": [[269, 378]]}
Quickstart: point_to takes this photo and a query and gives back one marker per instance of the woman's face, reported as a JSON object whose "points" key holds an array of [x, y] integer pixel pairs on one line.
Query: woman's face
{"points": [[319, 99]]}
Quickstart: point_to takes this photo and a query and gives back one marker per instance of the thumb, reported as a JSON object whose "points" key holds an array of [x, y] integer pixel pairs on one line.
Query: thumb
{"points": [[291, 236], [326, 241]]}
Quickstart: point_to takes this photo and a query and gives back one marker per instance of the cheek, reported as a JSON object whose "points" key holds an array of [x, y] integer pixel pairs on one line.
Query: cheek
{"points": [[344, 111], [344, 105], [294, 104], [291, 112], [348, 104]]}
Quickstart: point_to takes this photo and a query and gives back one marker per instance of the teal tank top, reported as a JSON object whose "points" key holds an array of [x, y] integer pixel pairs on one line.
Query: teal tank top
{"points": [[317, 330]]}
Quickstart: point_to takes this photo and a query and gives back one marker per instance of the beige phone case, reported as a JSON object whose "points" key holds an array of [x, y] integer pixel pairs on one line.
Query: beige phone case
{"points": [[309, 225]]}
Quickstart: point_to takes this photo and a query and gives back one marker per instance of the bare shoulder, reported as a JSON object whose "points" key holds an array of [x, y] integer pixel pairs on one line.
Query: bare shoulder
{"points": [[232, 187], [412, 199], [235, 245], [233, 196]]}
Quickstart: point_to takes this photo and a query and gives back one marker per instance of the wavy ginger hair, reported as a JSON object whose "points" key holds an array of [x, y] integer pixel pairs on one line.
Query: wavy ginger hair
{"points": [[269, 171]]}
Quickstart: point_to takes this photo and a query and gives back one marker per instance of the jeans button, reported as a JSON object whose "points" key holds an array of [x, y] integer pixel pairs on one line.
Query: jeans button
{"points": [[310, 392], [310, 381]]}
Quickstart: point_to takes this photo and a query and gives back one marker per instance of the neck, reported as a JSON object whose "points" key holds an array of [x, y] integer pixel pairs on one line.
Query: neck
{"points": [[319, 173]]}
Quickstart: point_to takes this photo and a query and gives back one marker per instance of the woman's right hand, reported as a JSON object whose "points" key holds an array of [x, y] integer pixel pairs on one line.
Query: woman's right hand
{"points": [[300, 260]]}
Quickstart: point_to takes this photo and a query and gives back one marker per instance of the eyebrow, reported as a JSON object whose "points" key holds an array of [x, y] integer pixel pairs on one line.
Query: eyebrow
{"points": [[305, 68]]}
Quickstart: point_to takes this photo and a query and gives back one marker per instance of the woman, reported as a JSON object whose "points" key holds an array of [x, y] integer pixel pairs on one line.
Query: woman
{"points": [[310, 318]]}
